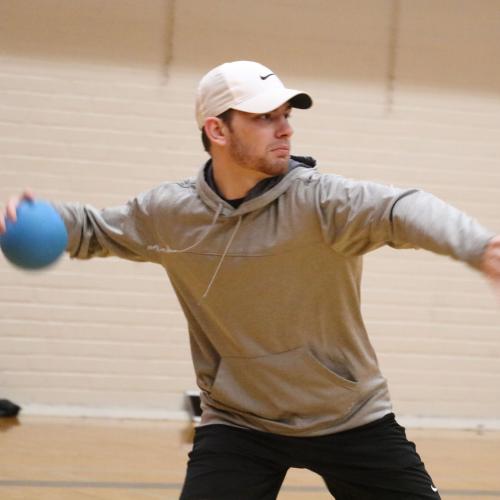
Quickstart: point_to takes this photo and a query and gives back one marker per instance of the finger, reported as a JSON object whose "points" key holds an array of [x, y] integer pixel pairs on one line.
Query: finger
{"points": [[28, 194], [10, 209], [2, 224], [491, 259]]}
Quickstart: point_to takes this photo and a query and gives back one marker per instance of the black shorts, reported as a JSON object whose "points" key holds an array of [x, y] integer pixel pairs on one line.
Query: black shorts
{"points": [[372, 462]]}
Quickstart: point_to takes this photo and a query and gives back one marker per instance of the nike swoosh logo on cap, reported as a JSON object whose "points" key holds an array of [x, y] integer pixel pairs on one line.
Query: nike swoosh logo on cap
{"points": [[267, 76]]}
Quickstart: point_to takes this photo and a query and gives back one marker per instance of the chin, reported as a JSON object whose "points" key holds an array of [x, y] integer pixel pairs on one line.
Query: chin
{"points": [[276, 167], [282, 164]]}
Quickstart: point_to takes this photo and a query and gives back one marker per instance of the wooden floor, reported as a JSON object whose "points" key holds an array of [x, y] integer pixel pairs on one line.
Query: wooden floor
{"points": [[83, 459]]}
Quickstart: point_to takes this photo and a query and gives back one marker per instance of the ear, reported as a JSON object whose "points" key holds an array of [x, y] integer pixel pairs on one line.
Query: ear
{"points": [[216, 131]]}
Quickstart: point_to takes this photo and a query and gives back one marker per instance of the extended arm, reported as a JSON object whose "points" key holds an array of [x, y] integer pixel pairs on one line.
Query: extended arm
{"points": [[427, 222], [358, 217], [125, 231]]}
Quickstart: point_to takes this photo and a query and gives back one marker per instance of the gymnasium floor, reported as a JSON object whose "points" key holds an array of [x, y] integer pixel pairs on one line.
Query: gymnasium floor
{"points": [[84, 459]]}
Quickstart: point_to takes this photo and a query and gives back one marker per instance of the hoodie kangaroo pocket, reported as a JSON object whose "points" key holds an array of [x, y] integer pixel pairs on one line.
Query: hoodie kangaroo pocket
{"points": [[284, 386]]}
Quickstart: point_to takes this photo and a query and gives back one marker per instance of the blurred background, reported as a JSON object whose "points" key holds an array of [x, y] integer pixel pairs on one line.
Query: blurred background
{"points": [[97, 104]]}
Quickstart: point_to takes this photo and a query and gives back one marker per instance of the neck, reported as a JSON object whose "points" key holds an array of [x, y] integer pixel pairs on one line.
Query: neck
{"points": [[234, 181]]}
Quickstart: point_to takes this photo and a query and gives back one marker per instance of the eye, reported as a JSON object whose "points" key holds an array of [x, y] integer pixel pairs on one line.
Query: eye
{"points": [[265, 117]]}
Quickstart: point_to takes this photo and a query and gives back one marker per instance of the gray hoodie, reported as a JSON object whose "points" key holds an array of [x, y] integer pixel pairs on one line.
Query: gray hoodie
{"points": [[271, 289]]}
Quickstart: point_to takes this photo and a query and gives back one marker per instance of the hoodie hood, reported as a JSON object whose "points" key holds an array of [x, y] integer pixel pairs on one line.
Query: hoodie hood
{"points": [[263, 193]]}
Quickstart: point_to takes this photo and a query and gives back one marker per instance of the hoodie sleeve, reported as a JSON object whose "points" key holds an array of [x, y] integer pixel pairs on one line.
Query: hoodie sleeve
{"points": [[357, 217], [124, 231]]}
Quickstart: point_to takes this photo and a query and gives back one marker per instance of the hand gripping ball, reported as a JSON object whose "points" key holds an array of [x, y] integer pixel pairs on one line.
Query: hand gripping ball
{"points": [[37, 238]]}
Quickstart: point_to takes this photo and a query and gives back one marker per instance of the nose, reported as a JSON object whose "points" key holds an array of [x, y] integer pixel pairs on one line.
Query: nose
{"points": [[284, 129]]}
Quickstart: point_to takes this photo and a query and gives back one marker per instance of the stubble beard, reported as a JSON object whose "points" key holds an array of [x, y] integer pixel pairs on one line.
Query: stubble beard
{"points": [[243, 155]]}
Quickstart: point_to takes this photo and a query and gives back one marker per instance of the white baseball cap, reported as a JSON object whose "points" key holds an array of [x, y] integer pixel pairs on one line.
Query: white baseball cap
{"points": [[244, 86]]}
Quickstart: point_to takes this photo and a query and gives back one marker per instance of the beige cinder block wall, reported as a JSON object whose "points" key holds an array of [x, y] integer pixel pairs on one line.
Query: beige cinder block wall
{"points": [[96, 104]]}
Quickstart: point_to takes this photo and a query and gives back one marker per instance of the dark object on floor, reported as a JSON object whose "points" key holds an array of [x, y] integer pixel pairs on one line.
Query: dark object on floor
{"points": [[8, 409], [194, 406]]}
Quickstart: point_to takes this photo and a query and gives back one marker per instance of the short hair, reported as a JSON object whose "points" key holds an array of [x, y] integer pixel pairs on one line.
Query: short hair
{"points": [[226, 117]]}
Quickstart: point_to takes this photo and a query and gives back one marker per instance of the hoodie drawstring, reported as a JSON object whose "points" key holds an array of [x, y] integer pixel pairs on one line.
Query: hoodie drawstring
{"points": [[196, 243], [167, 249], [221, 260]]}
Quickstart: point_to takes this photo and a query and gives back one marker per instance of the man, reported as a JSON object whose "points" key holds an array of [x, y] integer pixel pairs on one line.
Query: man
{"points": [[264, 253]]}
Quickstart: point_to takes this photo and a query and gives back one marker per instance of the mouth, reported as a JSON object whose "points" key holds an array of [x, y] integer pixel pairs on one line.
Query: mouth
{"points": [[282, 149]]}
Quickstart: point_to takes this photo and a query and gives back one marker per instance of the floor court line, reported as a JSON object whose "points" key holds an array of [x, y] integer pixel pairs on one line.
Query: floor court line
{"points": [[177, 486]]}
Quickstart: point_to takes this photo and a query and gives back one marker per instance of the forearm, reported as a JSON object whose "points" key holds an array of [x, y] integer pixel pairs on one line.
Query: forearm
{"points": [[118, 231], [83, 240], [427, 222]]}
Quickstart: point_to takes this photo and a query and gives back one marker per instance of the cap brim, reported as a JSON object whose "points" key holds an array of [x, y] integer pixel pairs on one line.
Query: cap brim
{"points": [[274, 98]]}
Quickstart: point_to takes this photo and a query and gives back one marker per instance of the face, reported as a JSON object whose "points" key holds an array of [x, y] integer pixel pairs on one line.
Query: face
{"points": [[261, 142]]}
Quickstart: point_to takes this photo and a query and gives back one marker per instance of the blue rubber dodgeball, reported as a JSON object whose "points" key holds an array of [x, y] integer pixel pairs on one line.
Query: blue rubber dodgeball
{"points": [[38, 237]]}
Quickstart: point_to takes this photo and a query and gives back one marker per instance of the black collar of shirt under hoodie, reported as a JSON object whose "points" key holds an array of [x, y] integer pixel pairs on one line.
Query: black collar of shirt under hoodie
{"points": [[261, 186]]}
